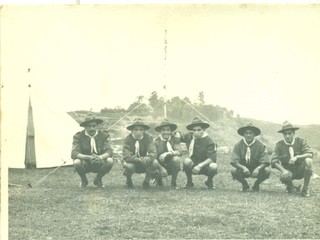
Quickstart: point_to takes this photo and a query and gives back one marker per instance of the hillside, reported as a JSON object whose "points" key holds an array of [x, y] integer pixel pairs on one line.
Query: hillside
{"points": [[223, 130]]}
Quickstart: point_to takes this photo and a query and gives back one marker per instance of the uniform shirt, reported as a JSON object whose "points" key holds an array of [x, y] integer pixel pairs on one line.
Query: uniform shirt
{"points": [[146, 147], [81, 144], [162, 145], [259, 154], [203, 149], [281, 151]]}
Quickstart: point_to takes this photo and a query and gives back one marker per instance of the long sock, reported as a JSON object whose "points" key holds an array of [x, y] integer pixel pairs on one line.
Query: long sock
{"points": [[307, 176]]}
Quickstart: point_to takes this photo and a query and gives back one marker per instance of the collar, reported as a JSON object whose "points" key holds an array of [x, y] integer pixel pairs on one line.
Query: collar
{"points": [[137, 138], [245, 142], [160, 136]]}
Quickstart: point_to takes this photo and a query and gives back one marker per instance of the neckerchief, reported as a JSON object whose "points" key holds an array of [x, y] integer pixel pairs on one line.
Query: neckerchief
{"points": [[248, 153], [92, 142], [192, 144], [137, 146], [169, 147], [291, 151]]}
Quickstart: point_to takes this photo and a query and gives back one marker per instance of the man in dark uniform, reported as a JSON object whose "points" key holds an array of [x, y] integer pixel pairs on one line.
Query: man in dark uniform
{"points": [[139, 154], [168, 150], [250, 158], [91, 152], [292, 156], [202, 153]]}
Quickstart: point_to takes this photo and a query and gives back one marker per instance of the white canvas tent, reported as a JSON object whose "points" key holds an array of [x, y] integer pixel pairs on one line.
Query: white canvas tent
{"points": [[33, 134]]}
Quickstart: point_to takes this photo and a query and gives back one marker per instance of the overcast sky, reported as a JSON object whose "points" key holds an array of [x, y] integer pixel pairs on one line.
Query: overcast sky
{"points": [[261, 61]]}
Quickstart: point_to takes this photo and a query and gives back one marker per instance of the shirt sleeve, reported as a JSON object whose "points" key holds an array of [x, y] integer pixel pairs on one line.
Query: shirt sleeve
{"points": [[211, 151], [126, 153], [235, 157], [106, 148], [263, 155], [152, 150], [76, 147], [306, 148], [275, 155]]}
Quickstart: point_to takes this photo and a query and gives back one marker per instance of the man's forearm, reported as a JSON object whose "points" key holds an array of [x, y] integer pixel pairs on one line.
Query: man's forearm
{"points": [[83, 156], [306, 155]]}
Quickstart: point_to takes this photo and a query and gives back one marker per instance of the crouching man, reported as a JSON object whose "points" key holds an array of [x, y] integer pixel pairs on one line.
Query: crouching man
{"points": [[139, 154], [292, 156], [168, 150], [91, 152], [202, 153], [250, 158]]}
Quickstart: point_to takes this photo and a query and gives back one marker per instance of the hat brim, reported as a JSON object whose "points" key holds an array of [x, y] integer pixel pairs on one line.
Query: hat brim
{"points": [[130, 127], [171, 125], [203, 125], [255, 130], [293, 129], [85, 123]]}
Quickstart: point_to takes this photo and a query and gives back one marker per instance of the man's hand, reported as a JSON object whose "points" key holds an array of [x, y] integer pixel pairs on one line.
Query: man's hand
{"points": [[163, 156], [196, 169], [90, 158], [147, 160], [246, 171], [286, 176], [293, 160], [255, 172]]}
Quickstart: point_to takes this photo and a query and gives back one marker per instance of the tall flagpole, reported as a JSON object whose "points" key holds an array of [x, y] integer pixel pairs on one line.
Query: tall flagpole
{"points": [[164, 75]]}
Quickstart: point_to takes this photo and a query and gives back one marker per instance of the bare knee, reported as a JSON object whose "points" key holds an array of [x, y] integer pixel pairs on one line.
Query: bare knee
{"points": [[129, 167], [187, 162], [77, 163], [176, 161], [109, 161]]}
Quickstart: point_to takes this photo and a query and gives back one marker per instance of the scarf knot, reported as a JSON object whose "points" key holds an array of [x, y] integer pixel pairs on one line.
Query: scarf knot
{"points": [[137, 146], [248, 152], [168, 144], [191, 146], [92, 142], [291, 151]]}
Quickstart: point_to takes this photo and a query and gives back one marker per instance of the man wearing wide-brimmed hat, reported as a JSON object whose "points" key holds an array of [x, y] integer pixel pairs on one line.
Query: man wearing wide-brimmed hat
{"points": [[139, 154], [202, 153], [250, 158], [292, 156], [91, 151], [168, 150]]}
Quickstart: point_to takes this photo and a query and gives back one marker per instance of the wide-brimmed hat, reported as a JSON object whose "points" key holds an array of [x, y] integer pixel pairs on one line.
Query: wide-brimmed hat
{"points": [[287, 126], [90, 119], [138, 122], [250, 126], [166, 123], [197, 122]]}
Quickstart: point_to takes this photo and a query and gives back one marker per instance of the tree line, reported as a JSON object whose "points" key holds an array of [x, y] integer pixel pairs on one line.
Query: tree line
{"points": [[177, 108]]}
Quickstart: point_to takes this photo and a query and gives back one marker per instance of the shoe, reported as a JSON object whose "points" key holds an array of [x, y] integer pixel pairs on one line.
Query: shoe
{"points": [[255, 188], [174, 186], [84, 182], [305, 193], [145, 184], [159, 182], [188, 185], [129, 183], [290, 188], [209, 184], [98, 182], [245, 187]]}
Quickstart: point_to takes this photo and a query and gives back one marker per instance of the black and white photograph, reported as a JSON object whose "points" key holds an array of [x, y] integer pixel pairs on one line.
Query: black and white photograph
{"points": [[160, 121]]}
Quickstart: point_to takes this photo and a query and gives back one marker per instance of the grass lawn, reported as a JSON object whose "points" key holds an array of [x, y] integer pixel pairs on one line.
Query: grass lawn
{"points": [[58, 209]]}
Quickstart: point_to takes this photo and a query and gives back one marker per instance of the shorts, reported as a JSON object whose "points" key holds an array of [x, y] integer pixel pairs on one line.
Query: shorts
{"points": [[92, 166]]}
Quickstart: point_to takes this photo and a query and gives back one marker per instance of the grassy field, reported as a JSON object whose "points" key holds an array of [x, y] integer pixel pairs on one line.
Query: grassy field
{"points": [[58, 209]]}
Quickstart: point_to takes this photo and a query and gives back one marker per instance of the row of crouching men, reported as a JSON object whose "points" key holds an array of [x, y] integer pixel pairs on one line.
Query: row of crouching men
{"points": [[161, 157]]}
